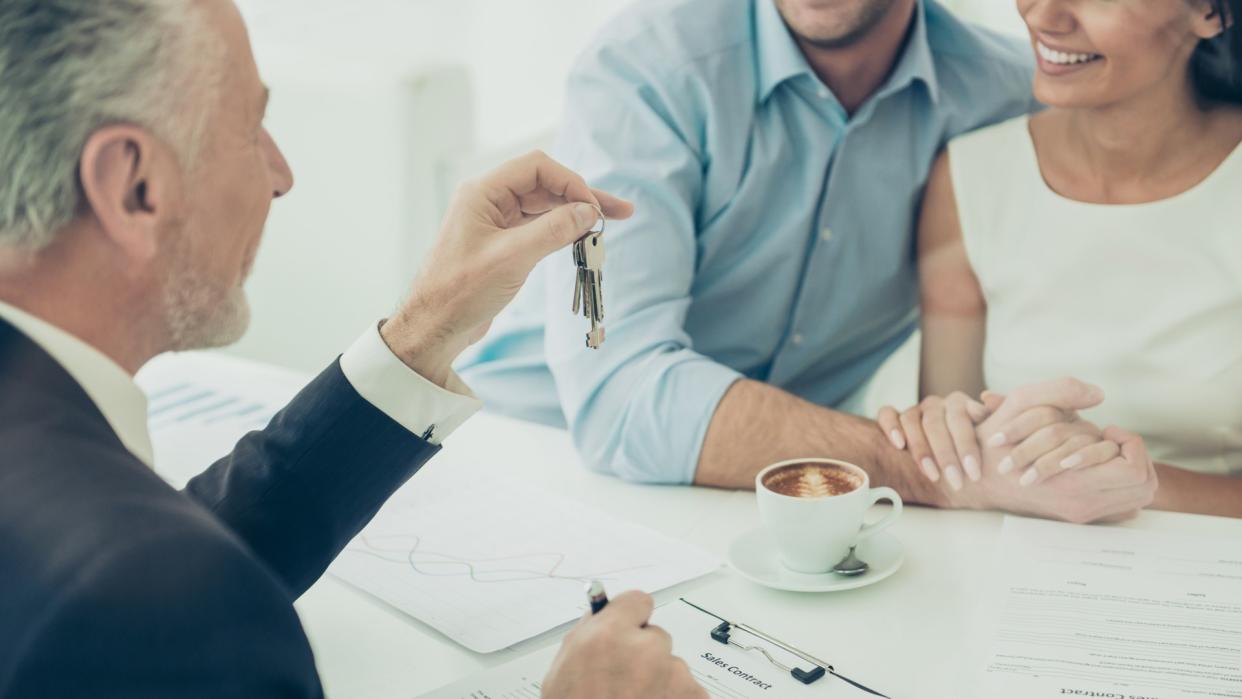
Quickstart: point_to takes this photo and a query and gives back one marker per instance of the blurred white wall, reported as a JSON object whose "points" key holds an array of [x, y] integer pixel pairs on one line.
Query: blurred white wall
{"points": [[379, 105]]}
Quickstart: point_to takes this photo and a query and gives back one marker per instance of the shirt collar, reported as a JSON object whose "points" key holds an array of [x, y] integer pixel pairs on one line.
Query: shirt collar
{"points": [[780, 59], [109, 386], [917, 62]]}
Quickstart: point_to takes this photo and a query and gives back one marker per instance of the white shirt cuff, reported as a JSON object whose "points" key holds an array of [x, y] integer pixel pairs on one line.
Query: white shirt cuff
{"points": [[415, 403]]}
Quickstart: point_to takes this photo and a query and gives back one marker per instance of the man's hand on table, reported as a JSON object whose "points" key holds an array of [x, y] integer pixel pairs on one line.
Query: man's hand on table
{"points": [[616, 655], [1034, 454], [495, 232]]}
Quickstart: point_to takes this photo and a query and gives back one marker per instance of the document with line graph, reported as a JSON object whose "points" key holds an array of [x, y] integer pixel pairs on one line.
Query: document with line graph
{"points": [[487, 562], [200, 403], [490, 563], [1114, 613]]}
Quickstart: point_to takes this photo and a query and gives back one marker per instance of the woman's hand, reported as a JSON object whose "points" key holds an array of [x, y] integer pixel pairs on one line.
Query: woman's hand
{"points": [[940, 434], [1056, 448], [1038, 456], [1040, 422], [1110, 491]]}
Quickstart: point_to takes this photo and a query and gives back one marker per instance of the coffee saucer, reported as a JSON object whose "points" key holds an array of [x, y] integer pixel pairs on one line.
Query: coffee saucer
{"points": [[754, 557]]}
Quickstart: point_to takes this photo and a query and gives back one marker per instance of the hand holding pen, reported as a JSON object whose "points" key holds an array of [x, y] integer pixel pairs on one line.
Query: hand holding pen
{"points": [[614, 654], [597, 597]]}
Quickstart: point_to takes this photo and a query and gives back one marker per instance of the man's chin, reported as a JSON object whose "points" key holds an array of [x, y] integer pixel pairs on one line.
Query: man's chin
{"points": [[232, 329], [843, 33], [194, 325]]}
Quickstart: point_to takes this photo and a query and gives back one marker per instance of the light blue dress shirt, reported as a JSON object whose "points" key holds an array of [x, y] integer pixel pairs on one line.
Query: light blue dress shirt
{"points": [[774, 234]]}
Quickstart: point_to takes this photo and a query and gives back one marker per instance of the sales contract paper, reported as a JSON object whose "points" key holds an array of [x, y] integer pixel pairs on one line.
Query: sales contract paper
{"points": [[1114, 613], [725, 672]]}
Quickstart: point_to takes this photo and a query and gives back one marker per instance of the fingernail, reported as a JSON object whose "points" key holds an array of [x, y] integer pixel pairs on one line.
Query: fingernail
{"points": [[929, 468], [1072, 461], [954, 477], [899, 439], [997, 440], [1028, 477], [1095, 393], [971, 464], [585, 215], [1005, 466]]}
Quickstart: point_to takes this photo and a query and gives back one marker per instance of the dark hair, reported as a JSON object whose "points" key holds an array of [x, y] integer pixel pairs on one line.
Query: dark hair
{"points": [[1216, 67]]}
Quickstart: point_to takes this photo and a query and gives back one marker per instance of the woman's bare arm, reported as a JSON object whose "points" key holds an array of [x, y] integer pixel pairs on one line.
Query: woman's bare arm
{"points": [[1206, 494], [939, 433], [954, 310]]}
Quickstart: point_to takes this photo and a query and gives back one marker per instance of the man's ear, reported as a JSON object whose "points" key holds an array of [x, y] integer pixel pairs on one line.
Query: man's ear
{"points": [[130, 183]]}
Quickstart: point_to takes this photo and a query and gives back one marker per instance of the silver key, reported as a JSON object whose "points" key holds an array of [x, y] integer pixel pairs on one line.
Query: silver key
{"points": [[588, 255], [577, 278]]}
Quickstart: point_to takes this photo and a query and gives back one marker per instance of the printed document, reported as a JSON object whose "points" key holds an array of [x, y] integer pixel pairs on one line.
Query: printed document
{"points": [[726, 672], [200, 403], [490, 562], [487, 561], [1114, 613]]}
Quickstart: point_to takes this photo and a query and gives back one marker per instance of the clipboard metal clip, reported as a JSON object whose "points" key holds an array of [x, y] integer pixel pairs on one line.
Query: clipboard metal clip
{"points": [[723, 634]]}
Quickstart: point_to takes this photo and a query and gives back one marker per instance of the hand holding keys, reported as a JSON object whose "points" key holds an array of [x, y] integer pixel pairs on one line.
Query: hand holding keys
{"points": [[589, 284]]}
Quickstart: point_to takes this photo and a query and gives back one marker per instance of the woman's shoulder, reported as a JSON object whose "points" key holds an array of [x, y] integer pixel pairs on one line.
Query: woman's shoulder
{"points": [[981, 181], [983, 159]]}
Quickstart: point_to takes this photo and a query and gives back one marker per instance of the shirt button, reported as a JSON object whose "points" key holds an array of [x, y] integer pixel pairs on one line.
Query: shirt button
{"points": [[796, 339], [823, 93], [825, 235]]}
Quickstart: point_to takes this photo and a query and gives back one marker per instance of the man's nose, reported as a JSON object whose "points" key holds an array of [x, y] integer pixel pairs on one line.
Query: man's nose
{"points": [[282, 174]]}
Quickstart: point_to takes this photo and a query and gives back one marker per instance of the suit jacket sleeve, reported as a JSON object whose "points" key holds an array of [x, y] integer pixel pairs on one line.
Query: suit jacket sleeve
{"points": [[168, 615], [299, 490]]}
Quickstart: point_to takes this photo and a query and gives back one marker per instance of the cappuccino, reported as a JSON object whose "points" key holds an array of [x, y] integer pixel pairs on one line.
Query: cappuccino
{"points": [[812, 480], [814, 511]]}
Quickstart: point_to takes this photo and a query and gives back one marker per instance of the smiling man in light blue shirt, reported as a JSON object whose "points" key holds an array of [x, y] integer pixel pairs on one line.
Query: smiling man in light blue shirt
{"points": [[776, 151]]}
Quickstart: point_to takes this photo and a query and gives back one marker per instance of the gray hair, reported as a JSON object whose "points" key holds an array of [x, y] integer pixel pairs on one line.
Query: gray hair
{"points": [[71, 67]]}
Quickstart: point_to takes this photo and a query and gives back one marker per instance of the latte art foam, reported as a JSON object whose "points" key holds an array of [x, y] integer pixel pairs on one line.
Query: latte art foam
{"points": [[812, 480]]}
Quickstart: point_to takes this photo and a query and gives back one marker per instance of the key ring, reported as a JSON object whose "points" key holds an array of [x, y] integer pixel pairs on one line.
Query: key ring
{"points": [[603, 221]]}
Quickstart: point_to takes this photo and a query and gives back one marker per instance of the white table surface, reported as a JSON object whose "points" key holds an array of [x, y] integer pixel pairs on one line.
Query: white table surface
{"points": [[909, 636]]}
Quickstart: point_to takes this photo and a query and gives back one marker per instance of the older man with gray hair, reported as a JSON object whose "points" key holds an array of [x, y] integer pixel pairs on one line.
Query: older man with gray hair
{"points": [[137, 179]]}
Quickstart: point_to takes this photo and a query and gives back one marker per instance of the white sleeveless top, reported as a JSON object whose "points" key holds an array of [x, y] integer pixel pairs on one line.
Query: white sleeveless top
{"points": [[1142, 300]]}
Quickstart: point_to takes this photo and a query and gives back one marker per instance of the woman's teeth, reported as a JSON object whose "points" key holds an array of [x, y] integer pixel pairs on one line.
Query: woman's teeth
{"points": [[1063, 58]]}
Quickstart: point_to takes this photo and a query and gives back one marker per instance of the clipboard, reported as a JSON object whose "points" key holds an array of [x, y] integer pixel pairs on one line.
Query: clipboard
{"points": [[751, 640]]}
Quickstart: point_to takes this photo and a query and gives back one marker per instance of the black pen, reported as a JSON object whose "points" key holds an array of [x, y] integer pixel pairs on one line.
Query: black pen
{"points": [[597, 596]]}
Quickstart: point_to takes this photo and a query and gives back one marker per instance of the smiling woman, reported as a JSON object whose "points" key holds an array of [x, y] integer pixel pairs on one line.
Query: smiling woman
{"points": [[1100, 52], [1096, 240]]}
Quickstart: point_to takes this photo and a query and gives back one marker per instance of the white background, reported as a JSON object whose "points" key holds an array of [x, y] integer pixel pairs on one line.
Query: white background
{"points": [[380, 105]]}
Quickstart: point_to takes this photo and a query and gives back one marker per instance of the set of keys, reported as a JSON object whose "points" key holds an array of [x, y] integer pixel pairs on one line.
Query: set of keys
{"points": [[589, 284]]}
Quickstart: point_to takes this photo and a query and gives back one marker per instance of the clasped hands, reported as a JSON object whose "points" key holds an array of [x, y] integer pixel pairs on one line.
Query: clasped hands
{"points": [[1029, 453]]}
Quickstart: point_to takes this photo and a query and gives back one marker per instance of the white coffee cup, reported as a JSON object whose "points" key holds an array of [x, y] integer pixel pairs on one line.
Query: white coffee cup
{"points": [[813, 534]]}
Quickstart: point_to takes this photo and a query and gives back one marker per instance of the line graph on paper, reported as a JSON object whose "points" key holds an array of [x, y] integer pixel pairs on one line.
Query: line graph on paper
{"points": [[193, 403], [200, 404], [491, 563], [409, 551]]}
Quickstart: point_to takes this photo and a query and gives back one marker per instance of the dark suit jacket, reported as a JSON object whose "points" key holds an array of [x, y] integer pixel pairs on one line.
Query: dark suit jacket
{"points": [[113, 584]]}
